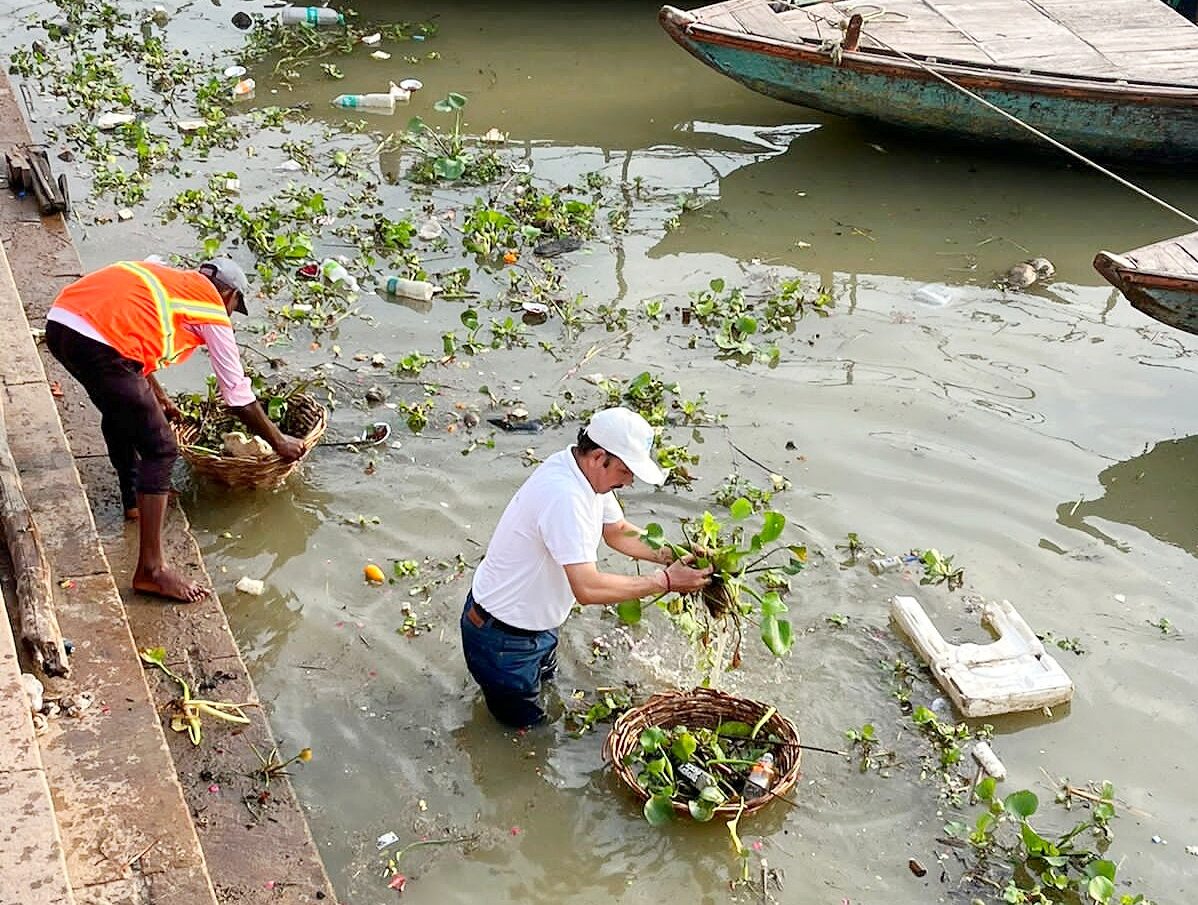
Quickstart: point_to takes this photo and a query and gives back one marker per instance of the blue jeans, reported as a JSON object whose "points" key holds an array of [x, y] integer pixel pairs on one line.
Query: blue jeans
{"points": [[508, 667]]}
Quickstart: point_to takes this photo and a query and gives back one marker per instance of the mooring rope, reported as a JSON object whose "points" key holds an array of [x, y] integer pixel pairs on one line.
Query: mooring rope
{"points": [[877, 12]]}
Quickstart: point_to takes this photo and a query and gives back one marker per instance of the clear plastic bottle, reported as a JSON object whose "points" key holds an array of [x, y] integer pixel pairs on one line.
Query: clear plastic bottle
{"points": [[312, 15], [890, 563], [378, 102], [761, 777], [334, 271], [412, 289]]}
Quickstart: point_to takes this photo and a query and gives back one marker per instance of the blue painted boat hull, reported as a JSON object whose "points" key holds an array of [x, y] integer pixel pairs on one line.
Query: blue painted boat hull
{"points": [[1102, 117]]}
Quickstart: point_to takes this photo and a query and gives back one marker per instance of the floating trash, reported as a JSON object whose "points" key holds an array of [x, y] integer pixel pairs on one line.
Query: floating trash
{"points": [[235, 72]]}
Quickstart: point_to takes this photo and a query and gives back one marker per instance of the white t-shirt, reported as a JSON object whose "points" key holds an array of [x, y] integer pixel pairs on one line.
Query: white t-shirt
{"points": [[555, 519]]}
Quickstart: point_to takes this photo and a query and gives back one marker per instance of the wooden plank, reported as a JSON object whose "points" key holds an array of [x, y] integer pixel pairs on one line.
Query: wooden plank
{"points": [[1164, 258], [759, 19], [1136, 40]]}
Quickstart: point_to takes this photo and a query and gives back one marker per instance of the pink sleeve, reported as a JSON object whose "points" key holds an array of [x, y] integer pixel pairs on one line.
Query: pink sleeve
{"points": [[235, 387]]}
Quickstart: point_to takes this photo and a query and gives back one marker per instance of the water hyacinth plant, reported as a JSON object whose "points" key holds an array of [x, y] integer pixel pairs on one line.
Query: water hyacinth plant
{"points": [[714, 617]]}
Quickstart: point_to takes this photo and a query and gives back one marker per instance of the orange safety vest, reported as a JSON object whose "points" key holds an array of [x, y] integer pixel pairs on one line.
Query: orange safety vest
{"points": [[143, 310]]}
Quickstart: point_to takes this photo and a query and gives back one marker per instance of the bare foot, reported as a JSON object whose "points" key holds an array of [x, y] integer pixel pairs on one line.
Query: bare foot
{"points": [[132, 514], [169, 584]]}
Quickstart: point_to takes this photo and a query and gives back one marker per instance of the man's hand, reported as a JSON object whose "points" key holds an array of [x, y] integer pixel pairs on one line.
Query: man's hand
{"points": [[289, 448], [679, 576], [170, 409]]}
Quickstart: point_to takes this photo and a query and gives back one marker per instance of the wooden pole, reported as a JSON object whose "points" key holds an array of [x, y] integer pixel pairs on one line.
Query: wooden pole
{"points": [[35, 595]]}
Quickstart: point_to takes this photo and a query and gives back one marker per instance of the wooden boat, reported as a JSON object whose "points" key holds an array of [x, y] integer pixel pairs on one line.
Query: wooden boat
{"points": [[1159, 279], [1113, 79]]}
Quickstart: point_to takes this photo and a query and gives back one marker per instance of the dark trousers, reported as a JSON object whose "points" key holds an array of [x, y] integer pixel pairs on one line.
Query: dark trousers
{"points": [[508, 664], [140, 443]]}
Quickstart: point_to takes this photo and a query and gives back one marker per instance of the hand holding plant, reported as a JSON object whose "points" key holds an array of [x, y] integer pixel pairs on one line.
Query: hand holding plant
{"points": [[719, 605]]}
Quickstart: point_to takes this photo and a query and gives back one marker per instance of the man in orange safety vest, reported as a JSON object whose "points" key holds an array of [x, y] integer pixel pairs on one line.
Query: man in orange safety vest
{"points": [[112, 330]]}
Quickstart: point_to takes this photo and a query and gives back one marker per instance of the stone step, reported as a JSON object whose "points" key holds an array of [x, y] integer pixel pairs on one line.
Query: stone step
{"points": [[125, 827], [32, 864]]}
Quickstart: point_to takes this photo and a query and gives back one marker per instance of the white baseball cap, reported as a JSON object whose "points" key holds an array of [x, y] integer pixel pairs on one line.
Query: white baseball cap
{"points": [[628, 436]]}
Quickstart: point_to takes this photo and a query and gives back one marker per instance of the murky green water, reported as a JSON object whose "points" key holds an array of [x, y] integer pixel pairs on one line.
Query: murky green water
{"points": [[1045, 438]]}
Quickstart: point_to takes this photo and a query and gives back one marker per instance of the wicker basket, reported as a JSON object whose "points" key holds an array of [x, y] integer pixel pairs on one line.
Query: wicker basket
{"points": [[703, 708], [306, 419]]}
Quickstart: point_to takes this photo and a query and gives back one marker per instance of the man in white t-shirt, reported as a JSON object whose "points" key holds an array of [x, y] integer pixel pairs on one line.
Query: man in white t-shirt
{"points": [[542, 558]]}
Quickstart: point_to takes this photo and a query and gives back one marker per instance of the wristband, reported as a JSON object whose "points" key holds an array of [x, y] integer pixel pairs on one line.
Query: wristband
{"points": [[666, 573]]}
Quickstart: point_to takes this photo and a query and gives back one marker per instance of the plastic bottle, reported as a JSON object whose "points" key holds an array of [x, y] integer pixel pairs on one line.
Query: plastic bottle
{"points": [[377, 102], [698, 778], [890, 563], [761, 777], [312, 15], [412, 289], [335, 273]]}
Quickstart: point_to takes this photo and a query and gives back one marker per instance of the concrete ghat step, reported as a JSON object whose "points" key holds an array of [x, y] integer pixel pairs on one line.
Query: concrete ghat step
{"points": [[33, 870], [122, 818]]}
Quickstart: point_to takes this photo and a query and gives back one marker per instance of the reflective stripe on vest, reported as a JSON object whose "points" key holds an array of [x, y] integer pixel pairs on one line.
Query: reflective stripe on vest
{"points": [[168, 308]]}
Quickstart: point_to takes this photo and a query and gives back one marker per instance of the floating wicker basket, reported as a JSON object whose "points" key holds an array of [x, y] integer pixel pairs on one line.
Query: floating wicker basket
{"points": [[306, 419], [703, 708]]}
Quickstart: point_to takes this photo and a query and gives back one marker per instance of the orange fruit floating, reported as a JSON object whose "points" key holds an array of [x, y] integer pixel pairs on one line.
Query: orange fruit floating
{"points": [[374, 574]]}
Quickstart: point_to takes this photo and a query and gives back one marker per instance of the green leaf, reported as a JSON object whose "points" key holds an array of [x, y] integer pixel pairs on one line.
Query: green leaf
{"points": [[653, 535], [443, 106], [469, 319], [1101, 868], [684, 747], [717, 285], [734, 729], [746, 325], [701, 811], [1022, 803], [652, 739], [772, 605], [1035, 843], [985, 788], [713, 795], [657, 767], [449, 168], [629, 611], [457, 101], [1101, 889], [922, 715], [740, 509], [659, 809], [771, 528], [154, 655], [777, 635]]}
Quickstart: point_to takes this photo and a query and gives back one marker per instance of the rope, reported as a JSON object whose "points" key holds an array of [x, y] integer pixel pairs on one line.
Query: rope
{"points": [[876, 12]]}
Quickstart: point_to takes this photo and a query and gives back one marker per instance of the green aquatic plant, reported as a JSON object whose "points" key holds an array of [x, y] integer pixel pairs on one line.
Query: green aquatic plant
{"points": [[714, 617]]}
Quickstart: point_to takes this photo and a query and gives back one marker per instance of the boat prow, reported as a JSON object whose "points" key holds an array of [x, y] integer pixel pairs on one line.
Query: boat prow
{"points": [[1160, 280]]}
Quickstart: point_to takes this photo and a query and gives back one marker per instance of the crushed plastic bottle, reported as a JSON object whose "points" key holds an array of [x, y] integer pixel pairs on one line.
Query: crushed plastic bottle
{"points": [[890, 563], [378, 102], [310, 15]]}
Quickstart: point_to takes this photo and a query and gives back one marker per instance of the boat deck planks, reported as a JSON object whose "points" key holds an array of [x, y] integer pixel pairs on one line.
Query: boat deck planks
{"points": [[1177, 257], [1137, 40]]}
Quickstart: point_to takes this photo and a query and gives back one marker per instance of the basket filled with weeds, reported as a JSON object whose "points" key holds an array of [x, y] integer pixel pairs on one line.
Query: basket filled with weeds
{"points": [[217, 446], [700, 754]]}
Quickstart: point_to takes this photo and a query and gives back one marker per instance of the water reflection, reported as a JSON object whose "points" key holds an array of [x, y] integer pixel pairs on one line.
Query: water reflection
{"points": [[1156, 492], [278, 524], [836, 202]]}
